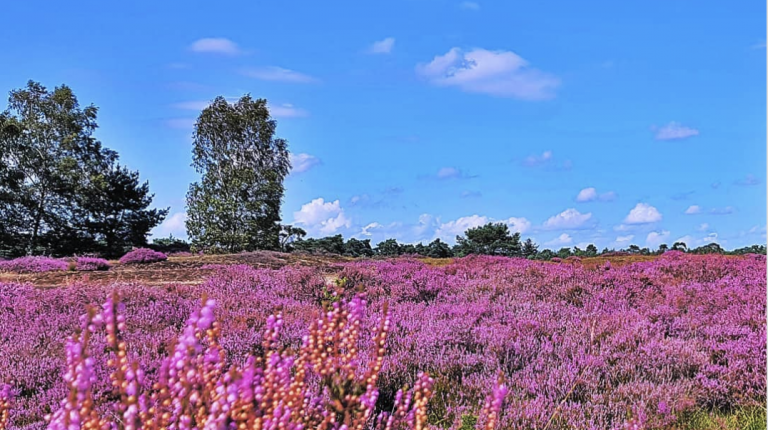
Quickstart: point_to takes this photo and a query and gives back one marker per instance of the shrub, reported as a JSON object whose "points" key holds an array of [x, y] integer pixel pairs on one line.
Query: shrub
{"points": [[91, 263], [35, 264], [142, 255]]}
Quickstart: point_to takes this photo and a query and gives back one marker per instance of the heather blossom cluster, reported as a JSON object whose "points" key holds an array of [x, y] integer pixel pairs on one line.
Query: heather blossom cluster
{"points": [[329, 384], [91, 263], [612, 346], [33, 264], [142, 255]]}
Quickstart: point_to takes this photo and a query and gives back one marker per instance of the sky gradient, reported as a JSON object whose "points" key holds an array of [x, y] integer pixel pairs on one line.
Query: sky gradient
{"points": [[612, 123]]}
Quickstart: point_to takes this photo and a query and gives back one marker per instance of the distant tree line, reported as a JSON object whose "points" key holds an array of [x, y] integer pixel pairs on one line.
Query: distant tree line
{"points": [[489, 239], [61, 191]]}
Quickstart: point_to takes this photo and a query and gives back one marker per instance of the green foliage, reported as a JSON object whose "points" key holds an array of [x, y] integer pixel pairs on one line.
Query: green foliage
{"points": [[546, 254], [61, 192], [752, 418], [530, 249], [289, 234], [438, 249], [490, 239], [389, 248], [326, 245], [358, 248], [564, 252], [236, 204], [170, 244], [468, 422]]}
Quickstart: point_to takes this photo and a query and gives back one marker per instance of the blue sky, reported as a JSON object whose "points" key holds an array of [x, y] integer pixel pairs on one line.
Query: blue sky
{"points": [[612, 123]]}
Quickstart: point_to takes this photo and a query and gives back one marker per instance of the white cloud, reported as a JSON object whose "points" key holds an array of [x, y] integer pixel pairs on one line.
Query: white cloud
{"points": [[278, 74], [643, 214], [172, 225], [303, 162], [215, 45], [384, 46], [285, 110], [448, 172], [568, 219], [587, 195], [319, 216], [693, 209], [675, 131], [497, 73], [703, 227], [693, 242], [654, 239], [366, 231], [590, 194], [563, 239], [536, 160], [449, 230], [469, 5], [624, 239]]}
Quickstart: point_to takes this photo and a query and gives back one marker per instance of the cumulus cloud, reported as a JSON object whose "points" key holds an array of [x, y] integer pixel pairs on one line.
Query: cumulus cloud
{"points": [[383, 46], [319, 216], [278, 74], [590, 194], [303, 162], [215, 45], [172, 225], [568, 219], [643, 213], [563, 239], [703, 227], [496, 73], [693, 209], [654, 239], [449, 230], [675, 131]]}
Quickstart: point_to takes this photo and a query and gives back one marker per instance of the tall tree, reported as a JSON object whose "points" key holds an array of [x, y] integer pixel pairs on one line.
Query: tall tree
{"points": [[289, 234], [489, 239], [530, 249], [236, 204], [50, 164], [439, 249], [115, 210], [358, 248], [389, 247]]}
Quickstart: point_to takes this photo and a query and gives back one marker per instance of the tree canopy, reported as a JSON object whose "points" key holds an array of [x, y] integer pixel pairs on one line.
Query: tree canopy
{"points": [[61, 191], [236, 204]]}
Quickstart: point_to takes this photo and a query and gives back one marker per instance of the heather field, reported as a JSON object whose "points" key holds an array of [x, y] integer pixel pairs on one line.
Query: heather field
{"points": [[677, 341]]}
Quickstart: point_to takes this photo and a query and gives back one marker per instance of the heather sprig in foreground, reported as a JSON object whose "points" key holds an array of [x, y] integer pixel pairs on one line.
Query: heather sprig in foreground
{"points": [[328, 384]]}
